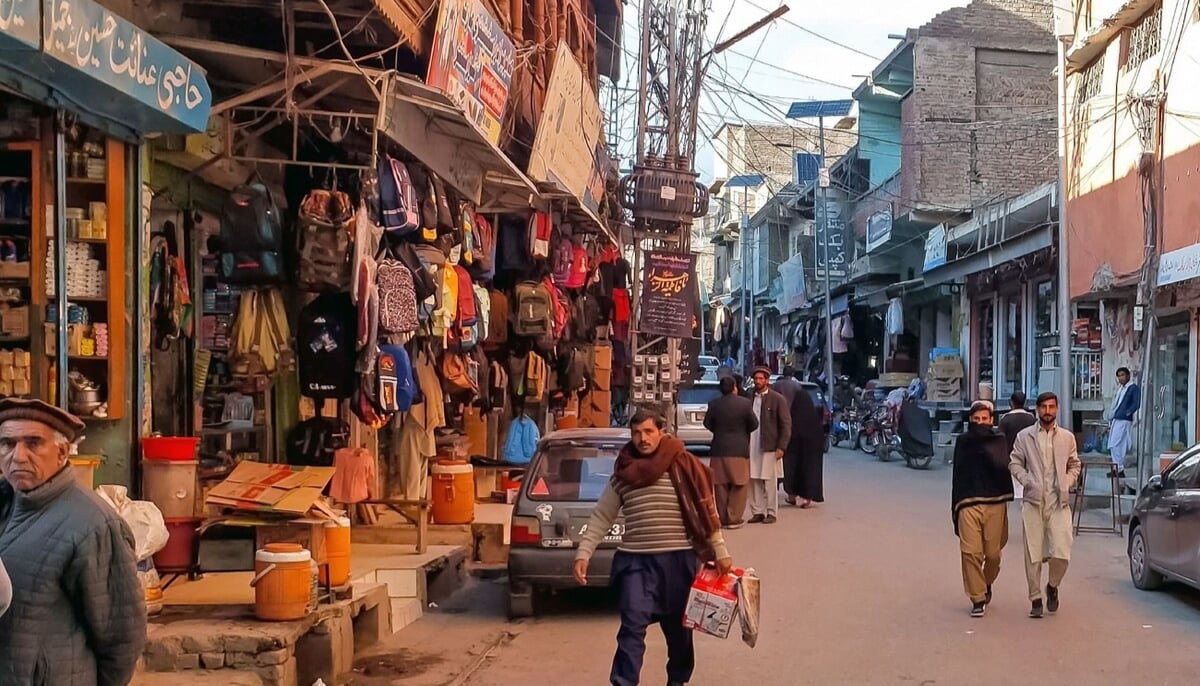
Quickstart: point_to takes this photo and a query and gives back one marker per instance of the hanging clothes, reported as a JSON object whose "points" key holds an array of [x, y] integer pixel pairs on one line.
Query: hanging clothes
{"points": [[894, 322], [839, 338], [354, 475]]}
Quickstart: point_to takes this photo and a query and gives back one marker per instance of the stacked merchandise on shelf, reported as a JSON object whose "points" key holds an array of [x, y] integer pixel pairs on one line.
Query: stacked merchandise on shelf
{"points": [[86, 277]]}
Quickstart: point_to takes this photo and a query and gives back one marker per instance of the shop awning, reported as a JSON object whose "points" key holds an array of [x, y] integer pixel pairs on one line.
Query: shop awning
{"points": [[1025, 244], [425, 122], [80, 56]]}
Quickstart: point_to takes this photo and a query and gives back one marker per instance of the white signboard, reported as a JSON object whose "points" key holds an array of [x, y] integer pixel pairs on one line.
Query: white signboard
{"points": [[879, 230], [1179, 265], [935, 247]]}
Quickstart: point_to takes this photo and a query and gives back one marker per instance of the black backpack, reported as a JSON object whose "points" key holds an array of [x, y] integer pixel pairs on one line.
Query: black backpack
{"points": [[325, 340], [251, 237], [312, 442]]}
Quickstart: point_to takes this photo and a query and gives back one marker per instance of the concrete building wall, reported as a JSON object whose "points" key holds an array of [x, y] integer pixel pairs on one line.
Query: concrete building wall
{"points": [[980, 121]]}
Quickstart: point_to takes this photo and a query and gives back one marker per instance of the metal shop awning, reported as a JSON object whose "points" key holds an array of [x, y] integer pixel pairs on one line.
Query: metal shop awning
{"points": [[80, 56], [1024, 244], [425, 122]]}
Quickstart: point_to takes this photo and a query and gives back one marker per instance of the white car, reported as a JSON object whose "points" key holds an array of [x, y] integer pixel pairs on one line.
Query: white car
{"points": [[689, 416]]}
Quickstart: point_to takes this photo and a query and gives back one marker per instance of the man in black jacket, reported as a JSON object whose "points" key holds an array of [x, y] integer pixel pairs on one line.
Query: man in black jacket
{"points": [[731, 420], [1017, 420], [982, 490]]}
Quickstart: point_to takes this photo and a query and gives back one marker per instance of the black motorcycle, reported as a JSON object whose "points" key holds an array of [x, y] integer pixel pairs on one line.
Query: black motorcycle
{"points": [[915, 431]]}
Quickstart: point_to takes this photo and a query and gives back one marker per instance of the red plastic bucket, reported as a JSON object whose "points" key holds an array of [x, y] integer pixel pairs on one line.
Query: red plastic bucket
{"points": [[181, 545], [174, 448]]}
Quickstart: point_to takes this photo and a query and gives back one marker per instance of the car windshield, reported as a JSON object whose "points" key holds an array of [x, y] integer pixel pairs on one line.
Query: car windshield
{"points": [[566, 471], [699, 395]]}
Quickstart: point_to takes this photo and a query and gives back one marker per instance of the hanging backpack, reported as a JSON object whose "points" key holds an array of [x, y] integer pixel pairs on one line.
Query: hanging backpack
{"points": [[397, 297], [483, 326], [540, 232], [577, 367], [261, 338], [394, 382], [497, 386], [445, 315], [578, 276], [398, 204], [323, 231], [325, 337], [251, 237], [456, 375], [498, 314], [562, 310], [561, 253], [587, 317], [483, 260], [464, 335], [512, 246], [534, 314], [536, 378], [312, 442], [466, 229], [424, 285]]}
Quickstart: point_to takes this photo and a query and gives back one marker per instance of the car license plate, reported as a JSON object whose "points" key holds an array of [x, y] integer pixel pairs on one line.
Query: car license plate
{"points": [[557, 543], [614, 534], [697, 417]]}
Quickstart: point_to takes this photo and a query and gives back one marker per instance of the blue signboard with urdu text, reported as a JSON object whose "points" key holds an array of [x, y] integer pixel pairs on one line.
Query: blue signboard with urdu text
{"points": [[89, 38], [20, 24]]}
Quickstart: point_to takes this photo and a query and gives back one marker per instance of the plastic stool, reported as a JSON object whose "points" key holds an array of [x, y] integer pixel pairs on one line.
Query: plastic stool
{"points": [[1117, 526]]}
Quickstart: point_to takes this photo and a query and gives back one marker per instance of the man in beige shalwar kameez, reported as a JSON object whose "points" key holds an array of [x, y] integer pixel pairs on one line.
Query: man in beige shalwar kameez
{"points": [[1045, 461]]}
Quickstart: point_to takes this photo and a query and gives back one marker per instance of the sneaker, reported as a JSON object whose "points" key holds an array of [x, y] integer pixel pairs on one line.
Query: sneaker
{"points": [[1051, 598], [1036, 611], [989, 596], [757, 519], [735, 525], [978, 609], [770, 519]]}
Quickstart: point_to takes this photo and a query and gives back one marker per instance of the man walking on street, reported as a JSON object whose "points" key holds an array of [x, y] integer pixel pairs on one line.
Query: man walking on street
{"points": [[1045, 461], [767, 445], [979, 503], [1017, 420], [671, 527], [731, 420], [1125, 407], [788, 385]]}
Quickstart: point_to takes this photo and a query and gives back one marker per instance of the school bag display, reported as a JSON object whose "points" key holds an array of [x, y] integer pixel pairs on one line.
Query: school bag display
{"points": [[398, 204], [323, 231], [251, 237], [397, 297], [312, 442], [534, 313], [394, 382], [325, 338]]}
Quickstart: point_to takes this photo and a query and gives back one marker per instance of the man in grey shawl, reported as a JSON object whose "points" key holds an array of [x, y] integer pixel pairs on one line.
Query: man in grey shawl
{"points": [[78, 614]]}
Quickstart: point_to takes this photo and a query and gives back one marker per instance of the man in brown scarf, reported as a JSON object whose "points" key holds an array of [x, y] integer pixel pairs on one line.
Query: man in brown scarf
{"points": [[671, 526]]}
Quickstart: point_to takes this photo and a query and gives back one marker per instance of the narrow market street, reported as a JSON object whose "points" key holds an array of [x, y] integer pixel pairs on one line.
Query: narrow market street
{"points": [[863, 590]]}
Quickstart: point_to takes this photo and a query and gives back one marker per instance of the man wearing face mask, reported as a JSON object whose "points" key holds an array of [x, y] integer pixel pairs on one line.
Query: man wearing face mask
{"points": [[980, 496]]}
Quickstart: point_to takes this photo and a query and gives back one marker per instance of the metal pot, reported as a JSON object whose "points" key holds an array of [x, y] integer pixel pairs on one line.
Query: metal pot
{"points": [[84, 401]]}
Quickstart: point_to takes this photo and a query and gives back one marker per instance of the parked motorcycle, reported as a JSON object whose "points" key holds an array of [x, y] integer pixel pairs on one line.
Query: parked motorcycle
{"points": [[878, 434], [846, 426], [915, 433]]}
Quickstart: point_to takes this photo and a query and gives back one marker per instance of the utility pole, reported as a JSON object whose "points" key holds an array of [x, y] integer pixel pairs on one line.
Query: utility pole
{"points": [[662, 192], [1067, 371], [743, 313], [823, 230]]}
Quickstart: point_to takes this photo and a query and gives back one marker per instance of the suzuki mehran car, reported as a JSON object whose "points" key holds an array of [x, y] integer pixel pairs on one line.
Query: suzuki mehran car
{"points": [[564, 480], [689, 416]]}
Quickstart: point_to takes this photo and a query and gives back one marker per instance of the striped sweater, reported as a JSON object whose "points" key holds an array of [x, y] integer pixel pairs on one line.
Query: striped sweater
{"points": [[653, 521]]}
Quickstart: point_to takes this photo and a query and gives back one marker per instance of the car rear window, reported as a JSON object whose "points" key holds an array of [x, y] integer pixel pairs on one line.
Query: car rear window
{"points": [[699, 395], [571, 471]]}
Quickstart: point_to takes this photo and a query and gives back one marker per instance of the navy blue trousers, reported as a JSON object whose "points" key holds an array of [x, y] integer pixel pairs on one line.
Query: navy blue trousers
{"points": [[653, 589]]}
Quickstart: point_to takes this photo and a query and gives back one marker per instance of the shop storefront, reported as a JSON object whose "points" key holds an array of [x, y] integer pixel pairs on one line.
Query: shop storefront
{"points": [[80, 88]]}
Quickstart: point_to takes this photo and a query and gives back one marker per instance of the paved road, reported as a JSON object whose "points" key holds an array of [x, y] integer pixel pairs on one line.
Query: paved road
{"points": [[864, 590]]}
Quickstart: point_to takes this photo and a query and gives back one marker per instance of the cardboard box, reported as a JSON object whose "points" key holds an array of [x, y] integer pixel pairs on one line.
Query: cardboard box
{"points": [[596, 410], [712, 603], [946, 369], [22, 359], [21, 387], [6, 388], [8, 372], [309, 533], [259, 487], [7, 358]]}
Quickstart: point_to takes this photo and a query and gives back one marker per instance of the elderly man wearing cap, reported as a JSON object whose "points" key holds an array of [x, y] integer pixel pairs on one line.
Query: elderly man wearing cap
{"points": [[78, 615], [982, 489]]}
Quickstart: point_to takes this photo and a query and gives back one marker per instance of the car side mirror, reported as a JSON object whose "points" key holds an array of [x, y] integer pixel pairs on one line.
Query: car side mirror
{"points": [[1155, 482]]}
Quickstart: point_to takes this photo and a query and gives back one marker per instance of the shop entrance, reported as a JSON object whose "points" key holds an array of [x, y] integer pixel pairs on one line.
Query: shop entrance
{"points": [[1172, 405]]}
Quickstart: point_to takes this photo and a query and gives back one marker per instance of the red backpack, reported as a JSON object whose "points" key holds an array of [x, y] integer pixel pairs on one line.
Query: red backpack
{"points": [[579, 268], [464, 333]]}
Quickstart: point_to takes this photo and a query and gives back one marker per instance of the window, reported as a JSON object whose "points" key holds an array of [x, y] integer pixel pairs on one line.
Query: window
{"points": [[572, 471], [1091, 81], [1183, 474], [1143, 41]]}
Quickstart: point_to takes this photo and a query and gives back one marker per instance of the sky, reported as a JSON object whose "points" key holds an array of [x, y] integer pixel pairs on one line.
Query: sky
{"points": [[791, 63]]}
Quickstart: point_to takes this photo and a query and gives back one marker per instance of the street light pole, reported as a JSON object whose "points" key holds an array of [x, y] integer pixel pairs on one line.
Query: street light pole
{"points": [[1067, 371], [823, 232]]}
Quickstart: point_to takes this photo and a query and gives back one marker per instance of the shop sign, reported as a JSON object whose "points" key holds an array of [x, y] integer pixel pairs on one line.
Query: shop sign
{"points": [[879, 230], [568, 145], [21, 21], [669, 304], [1179, 265], [115, 52], [831, 232], [472, 63], [935, 247]]}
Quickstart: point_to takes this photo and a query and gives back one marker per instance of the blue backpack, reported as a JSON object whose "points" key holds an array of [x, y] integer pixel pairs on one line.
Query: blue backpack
{"points": [[396, 387], [398, 204]]}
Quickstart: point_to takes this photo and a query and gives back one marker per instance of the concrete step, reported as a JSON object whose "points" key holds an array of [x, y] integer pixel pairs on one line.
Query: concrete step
{"points": [[220, 677]]}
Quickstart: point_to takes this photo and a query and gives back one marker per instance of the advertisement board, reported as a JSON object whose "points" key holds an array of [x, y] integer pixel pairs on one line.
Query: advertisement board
{"points": [[669, 304], [472, 63], [568, 144]]}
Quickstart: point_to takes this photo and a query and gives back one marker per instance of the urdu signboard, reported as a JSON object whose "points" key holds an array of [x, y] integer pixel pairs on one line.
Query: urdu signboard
{"points": [[472, 63], [1179, 265], [20, 23]]}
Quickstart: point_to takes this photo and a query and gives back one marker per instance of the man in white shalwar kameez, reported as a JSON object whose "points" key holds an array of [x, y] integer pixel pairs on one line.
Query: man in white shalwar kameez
{"points": [[767, 445], [1124, 409], [1045, 461]]}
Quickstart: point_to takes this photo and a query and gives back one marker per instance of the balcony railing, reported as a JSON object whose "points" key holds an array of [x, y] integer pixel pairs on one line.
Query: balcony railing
{"points": [[1086, 371]]}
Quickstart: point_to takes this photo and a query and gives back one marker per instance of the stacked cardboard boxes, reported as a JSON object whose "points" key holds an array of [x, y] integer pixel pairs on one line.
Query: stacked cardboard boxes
{"points": [[944, 381], [15, 372]]}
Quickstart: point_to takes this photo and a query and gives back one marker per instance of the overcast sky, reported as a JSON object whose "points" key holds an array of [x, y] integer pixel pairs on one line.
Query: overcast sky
{"points": [[791, 63]]}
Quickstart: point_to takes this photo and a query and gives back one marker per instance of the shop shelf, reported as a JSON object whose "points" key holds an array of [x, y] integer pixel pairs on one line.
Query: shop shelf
{"points": [[99, 241], [9, 221], [86, 180]]}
